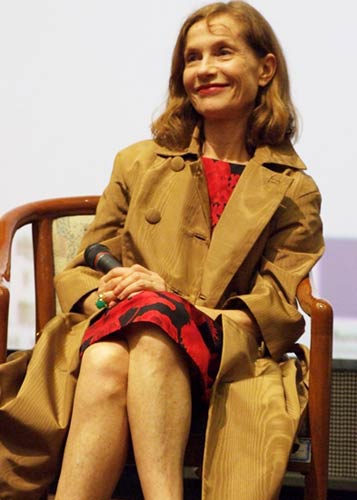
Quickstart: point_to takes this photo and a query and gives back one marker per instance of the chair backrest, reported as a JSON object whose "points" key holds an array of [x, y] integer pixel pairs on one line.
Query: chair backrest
{"points": [[49, 237], [67, 233]]}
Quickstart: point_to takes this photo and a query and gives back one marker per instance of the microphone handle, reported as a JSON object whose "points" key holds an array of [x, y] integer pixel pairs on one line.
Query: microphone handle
{"points": [[105, 262]]}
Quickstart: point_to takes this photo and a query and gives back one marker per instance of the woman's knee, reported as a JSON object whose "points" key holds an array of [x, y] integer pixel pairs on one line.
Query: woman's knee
{"points": [[105, 367], [151, 343]]}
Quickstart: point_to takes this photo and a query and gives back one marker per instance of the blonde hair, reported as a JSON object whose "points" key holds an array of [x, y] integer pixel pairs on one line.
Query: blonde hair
{"points": [[273, 119]]}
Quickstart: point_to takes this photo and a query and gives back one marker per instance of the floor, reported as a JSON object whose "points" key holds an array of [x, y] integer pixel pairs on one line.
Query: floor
{"points": [[129, 489], [288, 493]]}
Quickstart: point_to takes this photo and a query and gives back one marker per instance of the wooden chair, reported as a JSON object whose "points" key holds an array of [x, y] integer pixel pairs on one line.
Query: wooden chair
{"points": [[43, 217]]}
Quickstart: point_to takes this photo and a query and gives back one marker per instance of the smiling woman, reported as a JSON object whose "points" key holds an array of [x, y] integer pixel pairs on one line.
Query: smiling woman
{"points": [[222, 77], [273, 118], [214, 223]]}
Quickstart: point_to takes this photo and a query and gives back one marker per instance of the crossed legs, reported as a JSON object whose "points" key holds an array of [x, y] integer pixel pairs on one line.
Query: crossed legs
{"points": [[141, 383]]}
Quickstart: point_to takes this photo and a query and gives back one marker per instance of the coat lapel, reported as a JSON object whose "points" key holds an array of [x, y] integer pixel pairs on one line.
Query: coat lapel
{"points": [[249, 209]]}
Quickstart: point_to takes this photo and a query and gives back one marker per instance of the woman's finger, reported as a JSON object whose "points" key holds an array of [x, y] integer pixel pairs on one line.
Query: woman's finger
{"points": [[139, 281], [121, 283]]}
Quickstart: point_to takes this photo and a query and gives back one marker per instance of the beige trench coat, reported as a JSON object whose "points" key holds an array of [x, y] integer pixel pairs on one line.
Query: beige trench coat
{"points": [[155, 211]]}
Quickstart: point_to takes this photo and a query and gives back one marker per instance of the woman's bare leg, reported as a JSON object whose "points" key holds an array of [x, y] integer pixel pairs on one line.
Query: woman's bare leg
{"points": [[97, 443], [159, 411]]}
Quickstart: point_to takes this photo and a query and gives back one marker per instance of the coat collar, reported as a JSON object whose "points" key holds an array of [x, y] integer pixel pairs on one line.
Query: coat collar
{"points": [[283, 155]]}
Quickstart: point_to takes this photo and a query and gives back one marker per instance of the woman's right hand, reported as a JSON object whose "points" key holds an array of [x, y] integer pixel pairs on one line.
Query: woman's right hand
{"points": [[123, 282]]}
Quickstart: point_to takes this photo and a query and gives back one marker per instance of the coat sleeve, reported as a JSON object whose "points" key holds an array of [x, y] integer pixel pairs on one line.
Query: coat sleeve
{"points": [[294, 245], [77, 280]]}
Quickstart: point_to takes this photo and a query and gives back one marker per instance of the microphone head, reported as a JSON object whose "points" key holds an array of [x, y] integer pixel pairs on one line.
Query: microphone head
{"points": [[91, 252]]}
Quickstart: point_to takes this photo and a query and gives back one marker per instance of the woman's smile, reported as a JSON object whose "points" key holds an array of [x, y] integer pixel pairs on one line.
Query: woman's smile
{"points": [[211, 89]]}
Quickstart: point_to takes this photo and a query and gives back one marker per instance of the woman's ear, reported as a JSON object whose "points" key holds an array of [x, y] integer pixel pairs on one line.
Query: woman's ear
{"points": [[268, 68]]}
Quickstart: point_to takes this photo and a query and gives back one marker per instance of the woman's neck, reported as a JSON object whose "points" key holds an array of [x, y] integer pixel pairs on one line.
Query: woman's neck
{"points": [[225, 141]]}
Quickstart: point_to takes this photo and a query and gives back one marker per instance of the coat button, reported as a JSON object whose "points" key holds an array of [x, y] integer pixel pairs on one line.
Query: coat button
{"points": [[177, 163], [153, 216]]}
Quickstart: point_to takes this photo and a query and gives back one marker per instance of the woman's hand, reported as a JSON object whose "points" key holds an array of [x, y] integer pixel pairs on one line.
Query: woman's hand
{"points": [[123, 282]]}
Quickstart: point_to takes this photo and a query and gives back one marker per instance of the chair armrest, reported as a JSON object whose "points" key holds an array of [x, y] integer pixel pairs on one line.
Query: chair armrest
{"points": [[4, 317], [9, 223], [321, 314]]}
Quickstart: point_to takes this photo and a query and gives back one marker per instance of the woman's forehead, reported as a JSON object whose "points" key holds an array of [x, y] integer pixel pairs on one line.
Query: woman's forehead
{"points": [[220, 25]]}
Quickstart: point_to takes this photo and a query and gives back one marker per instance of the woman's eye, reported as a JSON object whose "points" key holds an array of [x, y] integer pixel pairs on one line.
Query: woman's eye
{"points": [[190, 57], [224, 51]]}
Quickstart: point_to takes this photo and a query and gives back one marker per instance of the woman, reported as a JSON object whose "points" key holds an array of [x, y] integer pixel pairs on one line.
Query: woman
{"points": [[215, 224]]}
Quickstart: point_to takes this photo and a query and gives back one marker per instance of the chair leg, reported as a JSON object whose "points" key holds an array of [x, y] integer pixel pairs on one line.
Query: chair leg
{"points": [[315, 486]]}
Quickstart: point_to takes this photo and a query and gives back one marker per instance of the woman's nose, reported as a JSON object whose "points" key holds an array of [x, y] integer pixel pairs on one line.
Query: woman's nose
{"points": [[206, 67]]}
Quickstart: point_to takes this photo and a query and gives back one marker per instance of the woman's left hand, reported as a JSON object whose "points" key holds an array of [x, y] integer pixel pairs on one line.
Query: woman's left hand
{"points": [[123, 282]]}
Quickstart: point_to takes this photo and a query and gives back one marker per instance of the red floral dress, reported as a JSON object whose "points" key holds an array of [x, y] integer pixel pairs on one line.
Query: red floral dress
{"points": [[198, 335]]}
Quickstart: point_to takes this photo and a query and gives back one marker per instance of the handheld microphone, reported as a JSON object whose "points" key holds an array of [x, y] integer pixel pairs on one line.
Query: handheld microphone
{"points": [[98, 256]]}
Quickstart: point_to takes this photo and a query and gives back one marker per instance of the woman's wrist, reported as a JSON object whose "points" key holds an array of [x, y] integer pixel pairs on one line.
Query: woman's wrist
{"points": [[86, 305]]}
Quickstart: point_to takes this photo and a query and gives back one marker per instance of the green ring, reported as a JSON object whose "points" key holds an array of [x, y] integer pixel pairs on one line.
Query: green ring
{"points": [[101, 303]]}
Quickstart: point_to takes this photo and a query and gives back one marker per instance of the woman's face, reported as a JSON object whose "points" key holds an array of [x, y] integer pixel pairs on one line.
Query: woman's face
{"points": [[222, 74]]}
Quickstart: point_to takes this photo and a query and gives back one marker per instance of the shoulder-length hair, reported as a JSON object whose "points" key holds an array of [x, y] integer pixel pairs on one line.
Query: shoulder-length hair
{"points": [[273, 119]]}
